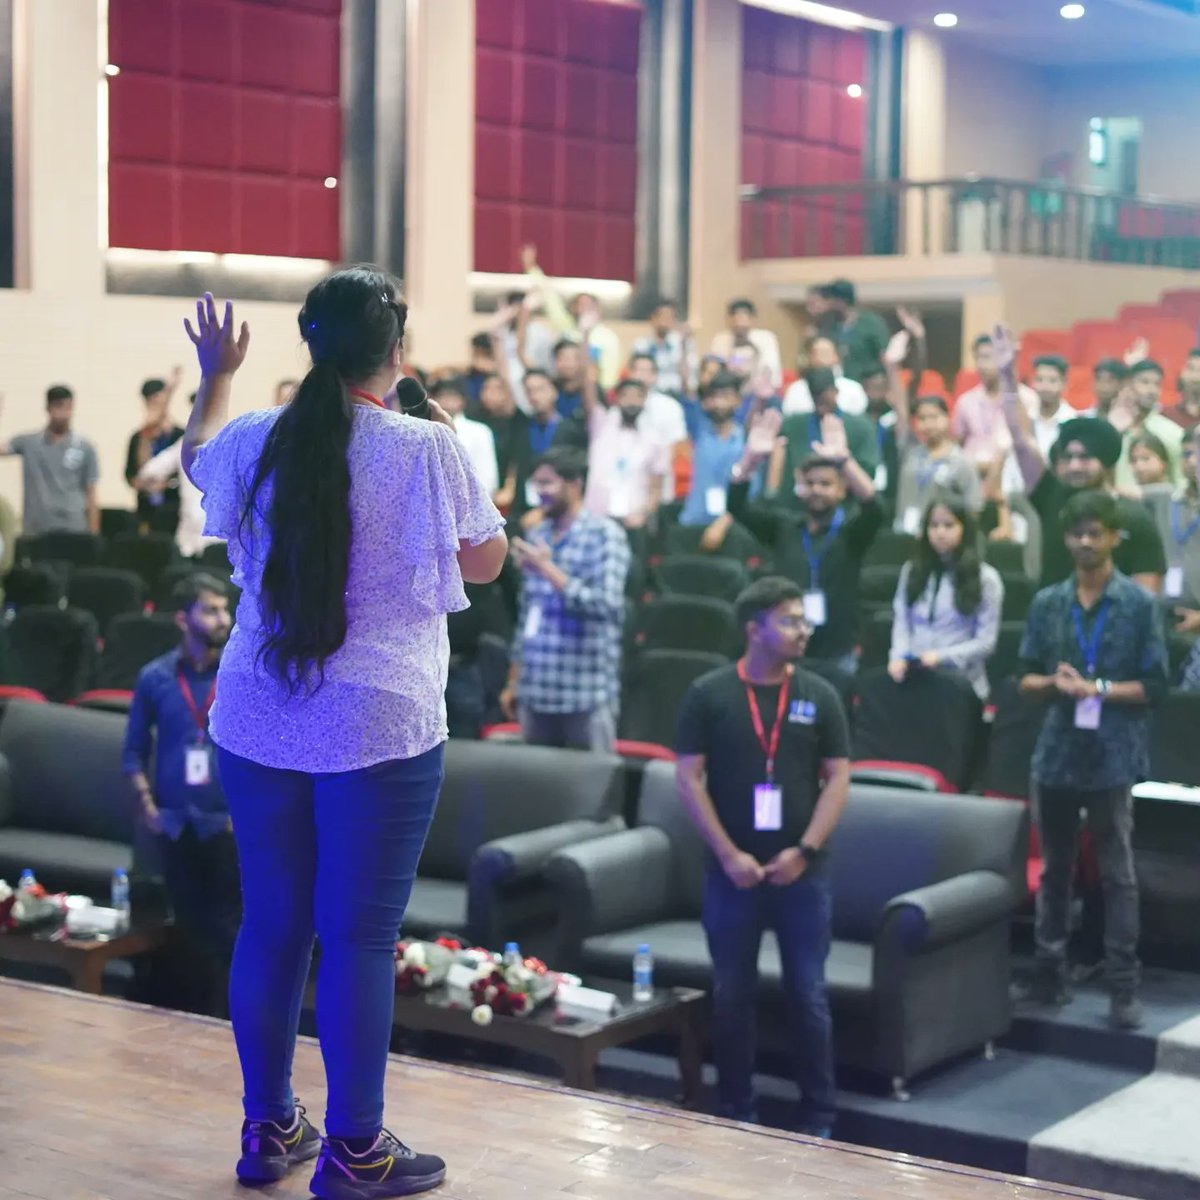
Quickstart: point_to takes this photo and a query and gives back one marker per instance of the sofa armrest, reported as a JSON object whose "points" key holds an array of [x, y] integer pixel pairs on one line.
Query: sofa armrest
{"points": [[612, 883], [941, 913], [522, 855]]}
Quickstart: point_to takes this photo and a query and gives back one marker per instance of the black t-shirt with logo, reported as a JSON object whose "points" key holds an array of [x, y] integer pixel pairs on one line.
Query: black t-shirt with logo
{"points": [[715, 721]]}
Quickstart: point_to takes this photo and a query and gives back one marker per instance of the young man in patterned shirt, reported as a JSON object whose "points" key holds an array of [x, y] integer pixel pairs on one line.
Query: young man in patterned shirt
{"points": [[564, 682]]}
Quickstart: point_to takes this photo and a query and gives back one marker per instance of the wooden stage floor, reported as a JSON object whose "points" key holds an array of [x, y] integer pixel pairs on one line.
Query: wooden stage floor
{"points": [[102, 1099]]}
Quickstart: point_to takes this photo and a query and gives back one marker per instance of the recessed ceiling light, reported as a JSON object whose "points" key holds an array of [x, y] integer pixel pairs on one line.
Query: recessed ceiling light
{"points": [[854, 91], [1071, 12], [946, 20], [330, 181], [111, 70]]}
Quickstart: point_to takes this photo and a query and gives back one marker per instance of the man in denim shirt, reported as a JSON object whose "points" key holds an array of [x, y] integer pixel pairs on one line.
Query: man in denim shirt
{"points": [[1094, 650], [185, 806]]}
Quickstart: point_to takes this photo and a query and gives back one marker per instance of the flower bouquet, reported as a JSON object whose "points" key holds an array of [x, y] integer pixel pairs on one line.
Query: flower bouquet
{"points": [[30, 908], [510, 988], [424, 965]]}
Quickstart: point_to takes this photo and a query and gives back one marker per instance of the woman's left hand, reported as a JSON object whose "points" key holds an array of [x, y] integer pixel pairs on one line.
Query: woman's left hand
{"points": [[440, 416], [219, 353]]}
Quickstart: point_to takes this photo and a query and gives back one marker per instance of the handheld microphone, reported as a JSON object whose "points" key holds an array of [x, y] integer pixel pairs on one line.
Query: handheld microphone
{"points": [[412, 397]]}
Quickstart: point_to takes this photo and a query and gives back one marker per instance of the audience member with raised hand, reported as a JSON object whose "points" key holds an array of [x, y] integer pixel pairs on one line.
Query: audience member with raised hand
{"points": [[1052, 411], [948, 602], [821, 351], [157, 498], [743, 336], [581, 321], [978, 423], [672, 347], [1136, 412], [60, 470], [718, 442], [861, 335], [1186, 414], [565, 678], [931, 462], [1093, 650], [570, 371], [1082, 460], [663, 417], [821, 545], [351, 530]]}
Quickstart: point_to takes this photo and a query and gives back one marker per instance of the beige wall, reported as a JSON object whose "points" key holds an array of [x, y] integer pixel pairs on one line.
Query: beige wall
{"points": [[1165, 96], [996, 113]]}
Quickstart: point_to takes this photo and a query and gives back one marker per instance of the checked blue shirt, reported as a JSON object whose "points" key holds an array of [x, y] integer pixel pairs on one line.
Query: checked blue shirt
{"points": [[568, 643]]}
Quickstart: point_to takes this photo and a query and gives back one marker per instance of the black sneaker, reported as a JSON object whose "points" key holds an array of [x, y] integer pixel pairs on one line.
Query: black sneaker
{"points": [[389, 1168], [1125, 1010], [271, 1150]]}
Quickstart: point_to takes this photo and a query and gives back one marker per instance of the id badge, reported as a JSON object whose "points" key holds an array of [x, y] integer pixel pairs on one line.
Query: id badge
{"points": [[911, 522], [881, 477], [197, 771], [1087, 712], [714, 501], [1173, 584], [768, 808], [619, 502], [533, 622], [814, 609], [533, 498]]}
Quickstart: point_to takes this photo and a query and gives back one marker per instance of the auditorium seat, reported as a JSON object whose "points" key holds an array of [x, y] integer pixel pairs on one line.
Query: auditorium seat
{"points": [[78, 549], [701, 575], [688, 623], [106, 592], [134, 640], [148, 555], [53, 650], [654, 690]]}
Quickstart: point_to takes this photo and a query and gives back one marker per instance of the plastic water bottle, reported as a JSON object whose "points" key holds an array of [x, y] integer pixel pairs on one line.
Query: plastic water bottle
{"points": [[27, 882], [643, 975], [512, 955], [120, 895]]}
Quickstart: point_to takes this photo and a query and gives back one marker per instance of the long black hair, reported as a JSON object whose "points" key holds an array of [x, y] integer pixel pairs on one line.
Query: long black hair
{"points": [[967, 570], [351, 323]]}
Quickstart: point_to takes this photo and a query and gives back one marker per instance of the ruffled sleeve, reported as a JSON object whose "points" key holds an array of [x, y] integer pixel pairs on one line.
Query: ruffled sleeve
{"points": [[220, 469], [447, 504]]}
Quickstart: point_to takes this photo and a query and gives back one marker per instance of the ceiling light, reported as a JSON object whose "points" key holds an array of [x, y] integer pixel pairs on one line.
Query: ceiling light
{"points": [[946, 20], [111, 70], [854, 91], [330, 181], [1071, 12]]}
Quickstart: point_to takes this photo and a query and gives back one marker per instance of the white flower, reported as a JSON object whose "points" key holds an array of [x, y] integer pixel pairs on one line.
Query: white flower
{"points": [[414, 956], [482, 1014], [485, 971], [520, 976]]}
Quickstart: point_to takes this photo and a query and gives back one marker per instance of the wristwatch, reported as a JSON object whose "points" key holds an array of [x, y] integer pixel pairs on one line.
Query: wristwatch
{"points": [[811, 854], [1103, 687]]}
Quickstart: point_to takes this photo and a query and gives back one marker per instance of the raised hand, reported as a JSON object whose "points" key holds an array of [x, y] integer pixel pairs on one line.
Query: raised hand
{"points": [[218, 351], [833, 443], [1005, 347], [911, 320], [897, 348], [763, 435], [175, 377], [1138, 352]]}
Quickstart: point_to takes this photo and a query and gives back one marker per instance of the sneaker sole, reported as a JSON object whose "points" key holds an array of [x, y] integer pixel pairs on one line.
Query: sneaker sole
{"points": [[256, 1170], [331, 1188]]}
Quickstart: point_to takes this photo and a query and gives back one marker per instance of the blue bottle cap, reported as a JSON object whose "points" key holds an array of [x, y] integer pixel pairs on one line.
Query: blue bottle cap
{"points": [[511, 948], [644, 948]]}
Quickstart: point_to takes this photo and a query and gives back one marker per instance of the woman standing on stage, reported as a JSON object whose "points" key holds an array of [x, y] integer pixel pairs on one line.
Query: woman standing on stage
{"points": [[351, 530]]}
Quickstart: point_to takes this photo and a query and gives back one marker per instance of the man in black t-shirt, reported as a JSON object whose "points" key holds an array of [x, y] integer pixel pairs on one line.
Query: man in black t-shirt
{"points": [[821, 546], [764, 772], [1082, 459]]}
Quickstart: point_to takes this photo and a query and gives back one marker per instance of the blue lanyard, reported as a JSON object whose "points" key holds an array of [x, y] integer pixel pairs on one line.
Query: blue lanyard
{"points": [[814, 556], [1090, 647], [540, 436], [1182, 536]]}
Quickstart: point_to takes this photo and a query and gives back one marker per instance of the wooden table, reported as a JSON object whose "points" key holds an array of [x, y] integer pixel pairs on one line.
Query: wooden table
{"points": [[571, 1039], [83, 959]]}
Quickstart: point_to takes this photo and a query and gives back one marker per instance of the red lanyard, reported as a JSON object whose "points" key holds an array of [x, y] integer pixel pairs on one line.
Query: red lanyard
{"points": [[770, 748], [366, 396], [199, 715]]}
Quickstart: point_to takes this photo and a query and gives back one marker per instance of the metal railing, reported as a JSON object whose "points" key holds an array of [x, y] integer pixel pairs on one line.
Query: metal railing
{"points": [[968, 216]]}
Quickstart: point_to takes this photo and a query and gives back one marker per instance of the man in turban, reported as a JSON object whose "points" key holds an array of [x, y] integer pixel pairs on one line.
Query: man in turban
{"points": [[1083, 459]]}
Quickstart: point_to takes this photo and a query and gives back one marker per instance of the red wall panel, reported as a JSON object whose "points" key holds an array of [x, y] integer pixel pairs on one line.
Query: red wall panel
{"points": [[224, 122], [800, 127], [556, 134]]}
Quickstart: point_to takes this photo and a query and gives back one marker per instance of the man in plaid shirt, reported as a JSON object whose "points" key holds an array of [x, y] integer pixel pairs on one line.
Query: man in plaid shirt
{"points": [[564, 683]]}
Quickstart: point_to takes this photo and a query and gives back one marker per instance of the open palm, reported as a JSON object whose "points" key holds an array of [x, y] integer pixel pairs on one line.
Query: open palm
{"points": [[216, 348]]}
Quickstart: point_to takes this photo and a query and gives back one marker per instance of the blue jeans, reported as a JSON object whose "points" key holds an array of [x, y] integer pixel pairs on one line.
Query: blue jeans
{"points": [[734, 922], [332, 855]]}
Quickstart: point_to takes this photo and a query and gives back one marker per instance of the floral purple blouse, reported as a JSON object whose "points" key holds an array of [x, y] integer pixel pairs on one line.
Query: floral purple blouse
{"points": [[413, 497]]}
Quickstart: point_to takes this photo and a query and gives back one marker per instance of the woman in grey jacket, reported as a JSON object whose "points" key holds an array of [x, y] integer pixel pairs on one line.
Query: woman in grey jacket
{"points": [[948, 602]]}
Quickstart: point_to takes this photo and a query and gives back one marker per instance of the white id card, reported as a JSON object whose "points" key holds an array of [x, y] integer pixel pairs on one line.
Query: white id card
{"points": [[1173, 584], [814, 609], [533, 498], [533, 622], [714, 501], [911, 521], [1087, 712], [881, 477], [619, 503], [197, 771], [768, 807]]}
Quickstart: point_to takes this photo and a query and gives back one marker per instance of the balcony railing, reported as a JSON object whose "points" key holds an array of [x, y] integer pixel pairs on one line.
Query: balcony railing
{"points": [[968, 216]]}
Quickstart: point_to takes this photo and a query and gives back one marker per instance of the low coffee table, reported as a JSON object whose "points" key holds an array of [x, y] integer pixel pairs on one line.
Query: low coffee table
{"points": [[83, 959], [571, 1039]]}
